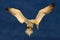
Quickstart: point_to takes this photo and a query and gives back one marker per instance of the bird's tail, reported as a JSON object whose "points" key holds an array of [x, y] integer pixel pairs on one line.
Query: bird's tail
{"points": [[29, 31]]}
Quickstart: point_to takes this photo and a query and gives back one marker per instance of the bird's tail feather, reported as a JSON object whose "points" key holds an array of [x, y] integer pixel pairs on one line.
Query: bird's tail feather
{"points": [[29, 31]]}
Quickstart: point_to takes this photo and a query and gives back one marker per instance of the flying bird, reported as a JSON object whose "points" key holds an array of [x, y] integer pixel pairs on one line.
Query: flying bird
{"points": [[19, 16]]}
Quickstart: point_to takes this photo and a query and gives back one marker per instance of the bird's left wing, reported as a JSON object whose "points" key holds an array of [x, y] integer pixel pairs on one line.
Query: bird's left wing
{"points": [[43, 12], [18, 14]]}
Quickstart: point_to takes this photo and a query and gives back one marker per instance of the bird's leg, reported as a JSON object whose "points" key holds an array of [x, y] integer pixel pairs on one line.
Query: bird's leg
{"points": [[37, 25]]}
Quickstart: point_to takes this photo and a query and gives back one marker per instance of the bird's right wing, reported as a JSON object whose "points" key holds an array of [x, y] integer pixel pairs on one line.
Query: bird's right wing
{"points": [[18, 14], [43, 12]]}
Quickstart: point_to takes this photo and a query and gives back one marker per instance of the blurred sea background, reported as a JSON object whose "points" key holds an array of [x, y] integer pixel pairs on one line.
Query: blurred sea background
{"points": [[11, 29]]}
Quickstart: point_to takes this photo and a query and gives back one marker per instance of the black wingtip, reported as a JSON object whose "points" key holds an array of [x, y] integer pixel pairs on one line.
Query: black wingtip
{"points": [[53, 4], [6, 8]]}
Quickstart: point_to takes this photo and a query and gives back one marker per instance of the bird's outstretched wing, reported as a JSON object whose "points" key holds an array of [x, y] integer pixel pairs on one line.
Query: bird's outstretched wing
{"points": [[43, 12], [18, 14]]}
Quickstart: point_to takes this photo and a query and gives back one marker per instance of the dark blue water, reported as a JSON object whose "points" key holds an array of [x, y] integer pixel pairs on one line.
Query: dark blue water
{"points": [[11, 29]]}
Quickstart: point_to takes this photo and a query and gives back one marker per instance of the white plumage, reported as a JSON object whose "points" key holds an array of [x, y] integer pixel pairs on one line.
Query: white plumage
{"points": [[18, 14]]}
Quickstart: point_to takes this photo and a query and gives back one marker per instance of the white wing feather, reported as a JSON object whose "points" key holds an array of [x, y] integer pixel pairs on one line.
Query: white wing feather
{"points": [[43, 12], [18, 14]]}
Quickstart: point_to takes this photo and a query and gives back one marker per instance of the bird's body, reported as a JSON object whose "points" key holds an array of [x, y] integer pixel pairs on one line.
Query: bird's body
{"points": [[18, 14]]}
